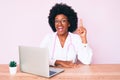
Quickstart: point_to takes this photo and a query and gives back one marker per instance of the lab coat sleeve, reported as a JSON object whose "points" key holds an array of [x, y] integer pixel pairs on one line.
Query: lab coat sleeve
{"points": [[46, 43], [52, 61], [84, 52]]}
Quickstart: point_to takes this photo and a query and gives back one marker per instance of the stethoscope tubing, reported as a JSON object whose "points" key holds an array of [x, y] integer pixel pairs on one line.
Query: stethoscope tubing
{"points": [[70, 44]]}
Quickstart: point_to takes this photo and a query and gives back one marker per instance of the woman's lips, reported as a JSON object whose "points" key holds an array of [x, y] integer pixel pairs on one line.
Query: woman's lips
{"points": [[60, 29]]}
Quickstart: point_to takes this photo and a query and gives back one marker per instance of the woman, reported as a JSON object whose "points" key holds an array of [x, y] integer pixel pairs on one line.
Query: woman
{"points": [[64, 46]]}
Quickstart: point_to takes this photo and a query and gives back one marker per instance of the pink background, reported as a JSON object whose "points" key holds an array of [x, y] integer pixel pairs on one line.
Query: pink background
{"points": [[24, 22]]}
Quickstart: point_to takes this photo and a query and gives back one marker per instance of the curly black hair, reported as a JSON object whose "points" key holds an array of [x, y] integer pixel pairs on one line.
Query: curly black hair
{"points": [[67, 11]]}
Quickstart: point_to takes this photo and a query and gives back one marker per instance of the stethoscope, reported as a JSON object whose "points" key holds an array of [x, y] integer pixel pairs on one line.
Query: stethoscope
{"points": [[70, 44]]}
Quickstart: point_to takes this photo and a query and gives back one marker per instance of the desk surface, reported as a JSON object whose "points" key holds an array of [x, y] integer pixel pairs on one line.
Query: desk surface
{"points": [[83, 72]]}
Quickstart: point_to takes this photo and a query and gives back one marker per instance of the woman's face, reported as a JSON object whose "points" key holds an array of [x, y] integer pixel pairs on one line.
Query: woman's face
{"points": [[61, 24]]}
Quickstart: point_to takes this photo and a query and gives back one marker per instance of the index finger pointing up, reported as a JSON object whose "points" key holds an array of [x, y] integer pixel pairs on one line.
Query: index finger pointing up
{"points": [[81, 23]]}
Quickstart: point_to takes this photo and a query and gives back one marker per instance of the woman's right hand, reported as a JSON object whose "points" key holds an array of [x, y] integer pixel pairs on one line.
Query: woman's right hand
{"points": [[66, 64]]}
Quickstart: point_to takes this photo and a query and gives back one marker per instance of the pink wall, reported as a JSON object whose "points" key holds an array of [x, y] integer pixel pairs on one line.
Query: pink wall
{"points": [[24, 22]]}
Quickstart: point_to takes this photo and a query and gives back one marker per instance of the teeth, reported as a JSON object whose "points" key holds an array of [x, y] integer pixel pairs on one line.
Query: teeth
{"points": [[60, 28]]}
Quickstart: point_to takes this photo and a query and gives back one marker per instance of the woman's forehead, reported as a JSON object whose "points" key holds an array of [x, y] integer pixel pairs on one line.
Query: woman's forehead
{"points": [[61, 16]]}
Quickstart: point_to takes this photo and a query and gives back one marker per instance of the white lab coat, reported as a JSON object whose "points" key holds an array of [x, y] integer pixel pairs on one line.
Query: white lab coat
{"points": [[73, 47]]}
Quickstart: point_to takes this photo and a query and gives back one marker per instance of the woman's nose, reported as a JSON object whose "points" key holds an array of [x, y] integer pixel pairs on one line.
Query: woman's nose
{"points": [[59, 23]]}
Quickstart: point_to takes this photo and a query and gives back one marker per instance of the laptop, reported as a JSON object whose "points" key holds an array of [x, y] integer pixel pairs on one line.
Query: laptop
{"points": [[35, 60]]}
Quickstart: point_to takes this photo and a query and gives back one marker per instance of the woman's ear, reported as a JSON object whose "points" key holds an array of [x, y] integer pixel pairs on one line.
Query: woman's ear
{"points": [[69, 25]]}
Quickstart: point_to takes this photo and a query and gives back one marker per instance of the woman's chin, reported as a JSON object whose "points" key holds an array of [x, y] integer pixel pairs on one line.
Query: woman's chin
{"points": [[60, 33]]}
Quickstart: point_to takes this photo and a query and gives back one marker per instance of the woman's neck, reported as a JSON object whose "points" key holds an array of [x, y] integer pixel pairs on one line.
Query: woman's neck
{"points": [[62, 39]]}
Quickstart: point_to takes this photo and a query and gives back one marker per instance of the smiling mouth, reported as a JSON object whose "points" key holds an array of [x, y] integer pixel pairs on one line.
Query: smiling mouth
{"points": [[60, 29]]}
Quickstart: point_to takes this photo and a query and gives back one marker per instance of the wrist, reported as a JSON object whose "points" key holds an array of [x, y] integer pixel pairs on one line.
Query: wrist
{"points": [[84, 40]]}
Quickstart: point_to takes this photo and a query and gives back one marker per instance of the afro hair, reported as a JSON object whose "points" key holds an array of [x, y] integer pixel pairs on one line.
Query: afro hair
{"points": [[67, 11]]}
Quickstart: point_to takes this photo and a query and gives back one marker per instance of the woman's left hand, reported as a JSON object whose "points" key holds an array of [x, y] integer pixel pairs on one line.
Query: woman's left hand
{"points": [[82, 32]]}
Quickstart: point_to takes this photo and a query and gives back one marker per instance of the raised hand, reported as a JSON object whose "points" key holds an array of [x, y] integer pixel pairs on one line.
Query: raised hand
{"points": [[82, 32]]}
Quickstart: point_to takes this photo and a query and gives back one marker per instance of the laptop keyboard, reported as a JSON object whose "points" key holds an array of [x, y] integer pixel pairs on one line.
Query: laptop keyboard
{"points": [[51, 72]]}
